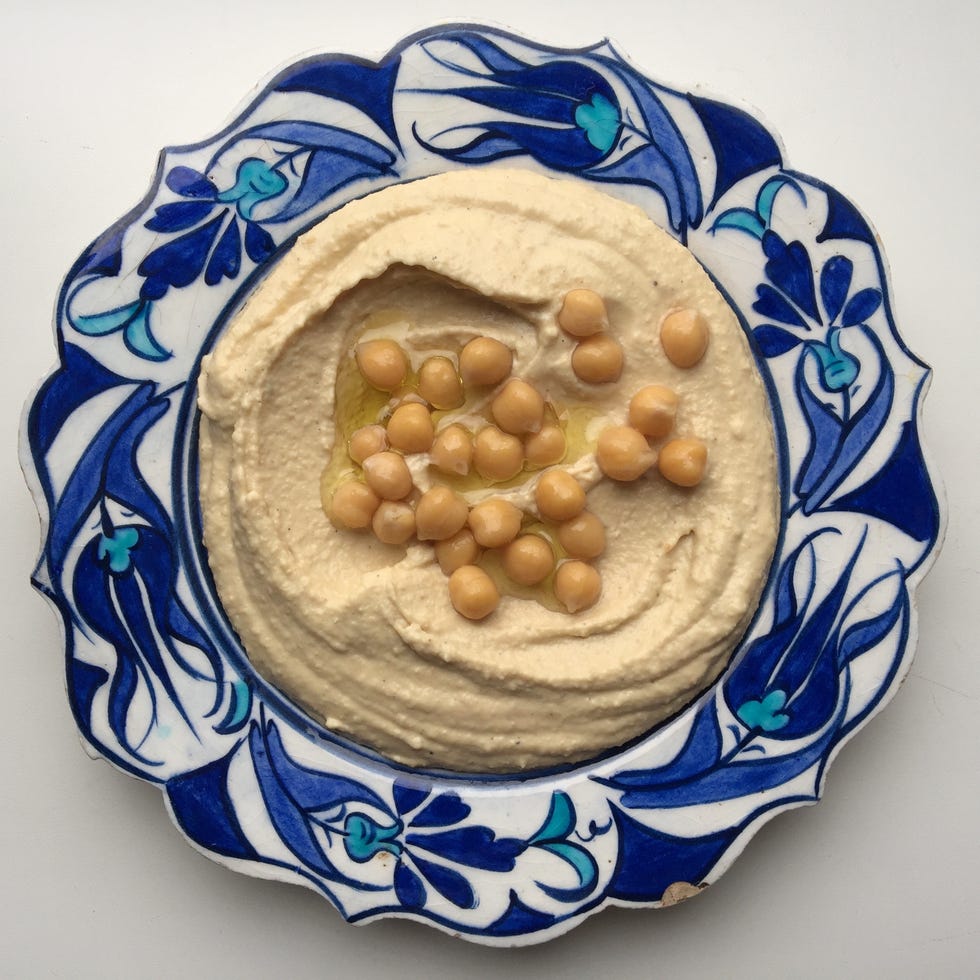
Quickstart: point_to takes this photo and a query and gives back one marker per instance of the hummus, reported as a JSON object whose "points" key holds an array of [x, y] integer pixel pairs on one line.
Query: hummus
{"points": [[361, 634]]}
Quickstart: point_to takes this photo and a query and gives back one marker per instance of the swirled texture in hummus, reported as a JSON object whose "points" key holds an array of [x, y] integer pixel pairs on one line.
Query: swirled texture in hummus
{"points": [[361, 634]]}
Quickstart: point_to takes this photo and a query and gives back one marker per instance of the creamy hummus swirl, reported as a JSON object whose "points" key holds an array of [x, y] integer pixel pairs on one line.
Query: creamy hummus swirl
{"points": [[360, 634]]}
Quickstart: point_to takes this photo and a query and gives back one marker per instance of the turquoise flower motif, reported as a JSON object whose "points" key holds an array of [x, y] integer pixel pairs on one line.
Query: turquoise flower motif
{"points": [[765, 713], [364, 837], [255, 182], [116, 548], [600, 121]]}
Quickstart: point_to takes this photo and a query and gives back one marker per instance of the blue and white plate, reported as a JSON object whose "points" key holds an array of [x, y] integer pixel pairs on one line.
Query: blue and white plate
{"points": [[157, 682]]}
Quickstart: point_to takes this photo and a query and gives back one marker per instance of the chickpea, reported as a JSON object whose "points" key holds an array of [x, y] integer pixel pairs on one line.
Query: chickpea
{"points": [[583, 313], [497, 455], [528, 559], [683, 461], [518, 408], [495, 522], [439, 383], [452, 450], [393, 522], [388, 475], [461, 549], [559, 496], [546, 446], [485, 361], [366, 441], [623, 453], [353, 505], [410, 428], [684, 337], [439, 514], [382, 363], [472, 592], [577, 585], [583, 536], [652, 410], [598, 359]]}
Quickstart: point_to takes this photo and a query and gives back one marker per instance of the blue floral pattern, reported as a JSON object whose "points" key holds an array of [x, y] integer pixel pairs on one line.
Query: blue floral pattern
{"points": [[156, 678]]}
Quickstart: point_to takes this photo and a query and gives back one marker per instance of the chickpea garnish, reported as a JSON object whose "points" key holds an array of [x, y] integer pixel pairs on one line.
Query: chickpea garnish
{"points": [[461, 549], [652, 410], [623, 453], [366, 441], [494, 522], [518, 408], [353, 505], [388, 475], [382, 363], [577, 585], [528, 559], [485, 361], [497, 456], [410, 428], [452, 450], [582, 313], [472, 592], [439, 514], [559, 496], [684, 337], [439, 383], [393, 522], [546, 446], [683, 461], [584, 536], [598, 359]]}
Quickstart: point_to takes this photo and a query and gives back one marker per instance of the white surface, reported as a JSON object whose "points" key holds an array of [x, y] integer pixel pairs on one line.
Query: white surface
{"points": [[883, 877]]}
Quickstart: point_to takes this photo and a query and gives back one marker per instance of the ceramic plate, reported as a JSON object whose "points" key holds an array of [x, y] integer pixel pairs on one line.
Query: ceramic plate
{"points": [[157, 681]]}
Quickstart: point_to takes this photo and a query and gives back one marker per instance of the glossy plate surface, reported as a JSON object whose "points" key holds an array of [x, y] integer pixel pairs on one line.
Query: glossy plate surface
{"points": [[156, 679]]}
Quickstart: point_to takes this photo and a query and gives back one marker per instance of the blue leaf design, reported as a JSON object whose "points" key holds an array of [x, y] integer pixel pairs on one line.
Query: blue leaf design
{"points": [[773, 341], [492, 55], [79, 379], [190, 183], [788, 267], [861, 306], [104, 256], [646, 166], [825, 434], [85, 485], [203, 809], [860, 432], [844, 221], [900, 492], [179, 215], [138, 338], [868, 633], [581, 862], [408, 797], [326, 172], [835, 282], [741, 144], [226, 258], [366, 87], [259, 244], [450, 884], [310, 789], [408, 887], [775, 306], [180, 261], [650, 861], [445, 810], [475, 847], [701, 751]]}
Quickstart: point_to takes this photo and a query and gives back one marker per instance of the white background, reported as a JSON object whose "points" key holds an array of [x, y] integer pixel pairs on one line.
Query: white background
{"points": [[882, 878]]}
